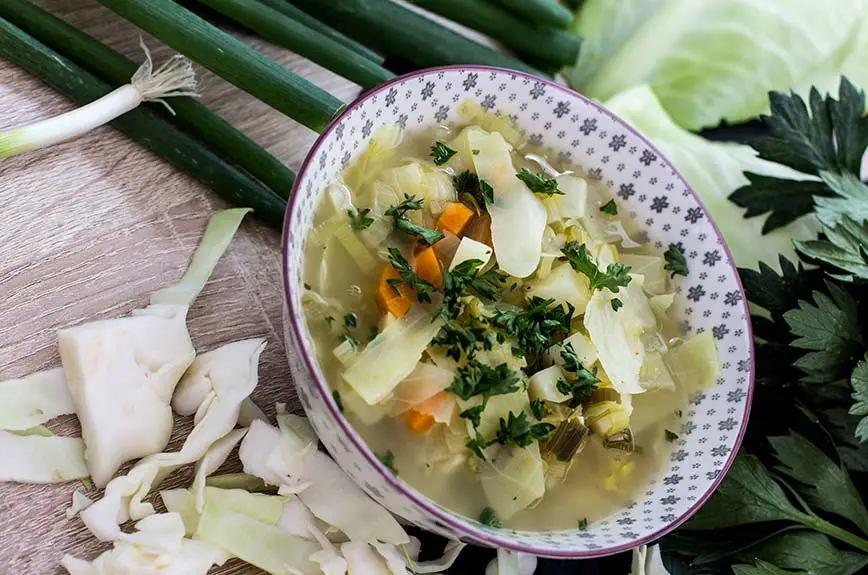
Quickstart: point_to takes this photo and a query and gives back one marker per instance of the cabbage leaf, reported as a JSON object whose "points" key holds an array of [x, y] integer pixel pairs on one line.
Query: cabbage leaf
{"points": [[31, 401], [37, 459]]}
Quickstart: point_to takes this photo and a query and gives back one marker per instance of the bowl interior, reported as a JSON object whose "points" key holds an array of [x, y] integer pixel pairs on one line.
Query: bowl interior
{"points": [[602, 148]]}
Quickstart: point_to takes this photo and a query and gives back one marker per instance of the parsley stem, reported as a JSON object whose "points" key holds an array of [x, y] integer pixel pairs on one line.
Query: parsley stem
{"points": [[832, 530]]}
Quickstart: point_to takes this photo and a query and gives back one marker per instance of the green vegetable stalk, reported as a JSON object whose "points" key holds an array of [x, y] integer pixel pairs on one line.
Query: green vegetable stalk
{"points": [[193, 117], [145, 127], [304, 41], [555, 46], [231, 59], [394, 29], [542, 12]]}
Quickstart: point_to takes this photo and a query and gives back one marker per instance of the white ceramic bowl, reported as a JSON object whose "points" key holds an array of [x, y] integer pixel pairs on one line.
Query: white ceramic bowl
{"points": [[602, 147]]}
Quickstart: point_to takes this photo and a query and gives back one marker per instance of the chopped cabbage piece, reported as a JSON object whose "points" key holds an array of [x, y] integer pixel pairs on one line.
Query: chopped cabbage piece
{"points": [[392, 355], [476, 114], [121, 374], [363, 559], [216, 456], [695, 363], [250, 412], [572, 205], [512, 563], [651, 268], [544, 385], [470, 249], [425, 381], [182, 502], [581, 345], [379, 154], [518, 217], [564, 285], [218, 234], [36, 459], [33, 400], [80, 502], [512, 478], [660, 305]]}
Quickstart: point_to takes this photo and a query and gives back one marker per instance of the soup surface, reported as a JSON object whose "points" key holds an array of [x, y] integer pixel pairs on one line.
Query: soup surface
{"points": [[493, 328]]}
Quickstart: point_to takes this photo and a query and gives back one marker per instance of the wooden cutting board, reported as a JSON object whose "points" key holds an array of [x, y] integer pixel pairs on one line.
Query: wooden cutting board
{"points": [[91, 227]]}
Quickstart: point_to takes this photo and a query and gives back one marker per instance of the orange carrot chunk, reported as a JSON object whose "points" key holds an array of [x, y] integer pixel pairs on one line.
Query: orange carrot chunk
{"points": [[419, 422], [428, 267], [455, 218], [393, 299]]}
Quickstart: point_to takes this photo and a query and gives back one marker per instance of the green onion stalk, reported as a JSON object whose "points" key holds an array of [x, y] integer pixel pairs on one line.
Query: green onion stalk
{"points": [[394, 29], [284, 31], [143, 126], [232, 60], [549, 13], [558, 47], [192, 116]]}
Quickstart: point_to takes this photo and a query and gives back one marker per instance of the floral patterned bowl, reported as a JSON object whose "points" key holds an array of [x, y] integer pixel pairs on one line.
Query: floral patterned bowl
{"points": [[603, 148]]}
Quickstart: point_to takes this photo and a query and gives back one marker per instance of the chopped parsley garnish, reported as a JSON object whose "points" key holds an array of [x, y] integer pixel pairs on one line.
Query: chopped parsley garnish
{"points": [[517, 430], [403, 223], [671, 436], [538, 407], [359, 220], [477, 378], [375, 331], [337, 397], [388, 459], [489, 518], [464, 339], [458, 282], [586, 380], [472, 191], [538, 183], [537, 328], [675, 261], [409, 277], [351, 320], [475, 151], [610, 208], [583, 524], [616, 304], [329, 321], [346, 336], [616, 276], [441, 153]]}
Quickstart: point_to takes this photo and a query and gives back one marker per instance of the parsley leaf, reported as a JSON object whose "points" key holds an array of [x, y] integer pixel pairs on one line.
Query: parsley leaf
{"points": [[671, 436], [441, 153], [830, 138], [585, 381], [823, 483], [846, 248], [489, 518], [850, 199], [477, 378], [458, 281], [388, 459], [761, 568], [616, 304], [676, 263], [538, 183], [583, 524], [830, 330], [348, 337], [610, 208], [359, 220], [337, 397], [616, 276], [351, 320], [409, 277], [329, 321], [472, 191], [537, 328], [463, 339], [859, 381], [474, 414], [777, 293], [403, 223], [517, 430], [538, 407]]}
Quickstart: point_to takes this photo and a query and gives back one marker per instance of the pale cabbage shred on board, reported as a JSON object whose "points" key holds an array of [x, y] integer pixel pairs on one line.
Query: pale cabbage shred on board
{"points": [[392, 374]]}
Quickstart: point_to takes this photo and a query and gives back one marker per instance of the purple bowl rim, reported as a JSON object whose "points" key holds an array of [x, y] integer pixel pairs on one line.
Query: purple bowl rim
{"points": [[407, 490]]}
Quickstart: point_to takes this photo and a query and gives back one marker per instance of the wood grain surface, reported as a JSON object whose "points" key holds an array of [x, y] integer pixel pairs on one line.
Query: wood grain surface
{"points": [[91, 227]]}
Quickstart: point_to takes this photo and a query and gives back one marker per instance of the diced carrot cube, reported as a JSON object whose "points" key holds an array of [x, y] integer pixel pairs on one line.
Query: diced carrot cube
{"points": [[395, 299], [419, 422], [455, 218], [428, 267]]}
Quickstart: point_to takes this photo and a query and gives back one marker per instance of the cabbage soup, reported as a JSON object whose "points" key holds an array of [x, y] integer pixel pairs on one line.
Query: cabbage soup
{"points": [[495, 329]]}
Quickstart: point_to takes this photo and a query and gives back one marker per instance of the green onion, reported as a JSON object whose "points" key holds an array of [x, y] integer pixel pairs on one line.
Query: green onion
{"points": [[174, 78], [231, 59], [542, 12], [284, 31], [195, 118], [394, 29], [555, 46], [143, 126], [303, 17]]}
